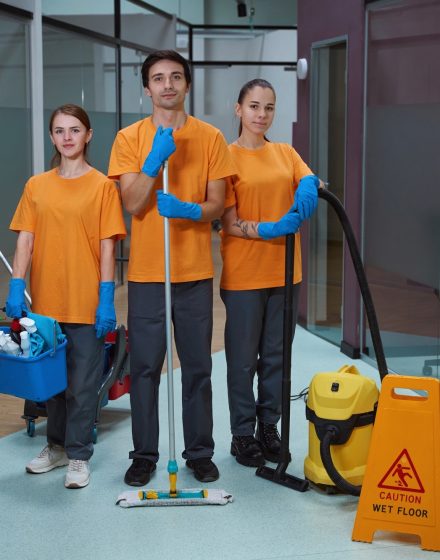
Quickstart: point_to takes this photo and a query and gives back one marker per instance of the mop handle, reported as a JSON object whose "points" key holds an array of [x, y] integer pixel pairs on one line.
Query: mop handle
{"points": [[9, 269], [170, 387]]}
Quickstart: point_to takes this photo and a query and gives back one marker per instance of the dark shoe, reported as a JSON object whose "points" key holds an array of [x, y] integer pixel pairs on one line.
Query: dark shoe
{"points": [[270, 441], [247, 451], [139, 473], [204, 469]]}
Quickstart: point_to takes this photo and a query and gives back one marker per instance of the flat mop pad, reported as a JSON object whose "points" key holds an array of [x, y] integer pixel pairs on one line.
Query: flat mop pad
{"points": [[189, 497]]}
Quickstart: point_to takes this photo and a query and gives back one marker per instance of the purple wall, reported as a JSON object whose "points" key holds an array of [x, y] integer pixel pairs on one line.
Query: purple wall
{"points": [[321, 20]]}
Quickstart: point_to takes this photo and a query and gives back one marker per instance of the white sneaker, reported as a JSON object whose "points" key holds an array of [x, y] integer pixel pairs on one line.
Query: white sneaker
{"points": [[51, 457], [78, 474]]}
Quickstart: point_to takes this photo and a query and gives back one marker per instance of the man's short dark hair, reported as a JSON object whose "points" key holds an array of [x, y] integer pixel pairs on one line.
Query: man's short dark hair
{"points": [[164, 55]]}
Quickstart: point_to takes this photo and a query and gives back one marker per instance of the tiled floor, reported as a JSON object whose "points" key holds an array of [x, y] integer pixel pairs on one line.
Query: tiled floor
{"points": [[40, 519]]}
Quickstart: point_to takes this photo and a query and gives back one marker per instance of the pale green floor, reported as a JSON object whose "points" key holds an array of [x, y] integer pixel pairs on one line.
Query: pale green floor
{"points": [[40, 519]]}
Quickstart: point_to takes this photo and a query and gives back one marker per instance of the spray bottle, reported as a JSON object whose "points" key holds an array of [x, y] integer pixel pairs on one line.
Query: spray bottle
{"points": [[28, 324], [25, 344]]}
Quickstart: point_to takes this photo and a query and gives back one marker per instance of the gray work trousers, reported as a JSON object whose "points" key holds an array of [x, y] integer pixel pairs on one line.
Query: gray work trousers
{"points": [[254, 344], [71, 414], [192, 320]]}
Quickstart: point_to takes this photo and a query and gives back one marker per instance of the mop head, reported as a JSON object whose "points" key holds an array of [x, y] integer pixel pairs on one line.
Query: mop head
{"points": [[189, 497]]}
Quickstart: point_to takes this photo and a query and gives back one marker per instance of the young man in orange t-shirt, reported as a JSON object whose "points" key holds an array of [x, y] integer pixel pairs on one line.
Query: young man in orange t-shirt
{"points": [[199, 162]]}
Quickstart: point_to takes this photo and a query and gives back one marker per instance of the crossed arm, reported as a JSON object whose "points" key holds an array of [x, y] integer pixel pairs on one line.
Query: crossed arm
{"points": [[137, 190], [233, 225]]}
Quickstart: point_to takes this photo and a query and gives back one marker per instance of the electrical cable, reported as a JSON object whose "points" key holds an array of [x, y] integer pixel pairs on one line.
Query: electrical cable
{"points": [[301, 395]]}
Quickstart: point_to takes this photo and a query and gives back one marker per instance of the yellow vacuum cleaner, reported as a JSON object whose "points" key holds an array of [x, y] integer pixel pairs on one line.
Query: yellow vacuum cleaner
{"points": [[341, 405], [341, 408]]}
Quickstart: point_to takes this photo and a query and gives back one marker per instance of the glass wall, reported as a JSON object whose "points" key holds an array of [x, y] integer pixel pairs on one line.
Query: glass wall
{"points": [[402, 169], [15, 118], [325, 274], [81, 71]]}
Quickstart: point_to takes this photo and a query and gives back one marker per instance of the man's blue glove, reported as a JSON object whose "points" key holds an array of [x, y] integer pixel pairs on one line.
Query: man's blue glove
{"points": [[163, 146], [16, 304], [105, 319], [289, 223], [306, 196], [170, 206]]}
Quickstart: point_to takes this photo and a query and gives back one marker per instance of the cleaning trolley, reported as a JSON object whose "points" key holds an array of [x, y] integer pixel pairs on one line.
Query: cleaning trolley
{"points": [[36, 379]]}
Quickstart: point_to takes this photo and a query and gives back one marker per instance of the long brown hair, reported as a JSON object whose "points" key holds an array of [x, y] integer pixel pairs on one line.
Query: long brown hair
{"points": [[73, 111], [248, 86]]}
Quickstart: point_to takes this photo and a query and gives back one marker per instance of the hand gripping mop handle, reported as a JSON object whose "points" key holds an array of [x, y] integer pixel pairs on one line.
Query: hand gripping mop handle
{"points": [[172, 464]]}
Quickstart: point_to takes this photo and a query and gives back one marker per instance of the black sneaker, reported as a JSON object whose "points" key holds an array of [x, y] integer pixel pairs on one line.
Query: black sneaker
{"points": [[270, 441], [139, 472], [247, 451], [204, 469]]}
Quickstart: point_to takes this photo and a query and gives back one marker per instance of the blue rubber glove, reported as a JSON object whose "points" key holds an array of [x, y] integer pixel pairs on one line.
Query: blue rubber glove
{"points": [[289, 223], [163, 146], [16, 304], [105, 319], [170, 206], [306, 196]]}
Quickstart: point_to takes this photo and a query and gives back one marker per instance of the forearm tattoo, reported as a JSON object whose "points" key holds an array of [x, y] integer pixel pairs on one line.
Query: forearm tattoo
{"points": [[244, 226]]}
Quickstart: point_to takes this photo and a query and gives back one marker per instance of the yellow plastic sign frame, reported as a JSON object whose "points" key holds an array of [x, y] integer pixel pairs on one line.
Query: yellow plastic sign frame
{"points": [[400, 491]]}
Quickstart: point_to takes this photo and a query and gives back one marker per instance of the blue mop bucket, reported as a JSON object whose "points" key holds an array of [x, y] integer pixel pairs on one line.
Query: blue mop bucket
{"points": [[36, 378]]}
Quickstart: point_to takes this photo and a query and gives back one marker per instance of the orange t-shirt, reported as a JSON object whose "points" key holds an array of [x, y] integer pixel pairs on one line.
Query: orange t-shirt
{"points": [[68, 218], [262, 191], [201, 155]]}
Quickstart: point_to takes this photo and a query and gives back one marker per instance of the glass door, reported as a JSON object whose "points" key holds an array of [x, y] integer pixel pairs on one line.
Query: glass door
{"points": [[328, 132]]}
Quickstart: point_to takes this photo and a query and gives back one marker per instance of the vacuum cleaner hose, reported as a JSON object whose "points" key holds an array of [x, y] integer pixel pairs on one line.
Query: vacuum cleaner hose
{"points": [[362, 278], [327, 461]]}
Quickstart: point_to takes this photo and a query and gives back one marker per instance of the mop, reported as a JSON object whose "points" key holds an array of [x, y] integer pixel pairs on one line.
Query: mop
{"points": [[173, 497]]}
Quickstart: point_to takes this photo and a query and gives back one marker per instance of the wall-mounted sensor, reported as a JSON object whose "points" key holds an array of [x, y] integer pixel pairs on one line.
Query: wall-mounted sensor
{"points": [[301, 68]]}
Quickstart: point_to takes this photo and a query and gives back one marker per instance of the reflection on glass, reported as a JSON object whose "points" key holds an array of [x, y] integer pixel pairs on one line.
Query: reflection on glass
{"points": [[182, 40], [96, 16], [15, 119], [146, 28], [402, 167], [135, 104], [81, 71], [245, 44]]}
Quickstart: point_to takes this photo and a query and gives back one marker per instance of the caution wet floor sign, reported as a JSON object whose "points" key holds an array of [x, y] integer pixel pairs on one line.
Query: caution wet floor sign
{"points": [[401, 488]]}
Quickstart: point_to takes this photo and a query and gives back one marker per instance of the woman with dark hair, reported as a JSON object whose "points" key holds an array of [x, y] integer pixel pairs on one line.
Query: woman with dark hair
{"points": [[271, 194], [68, 220]]}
